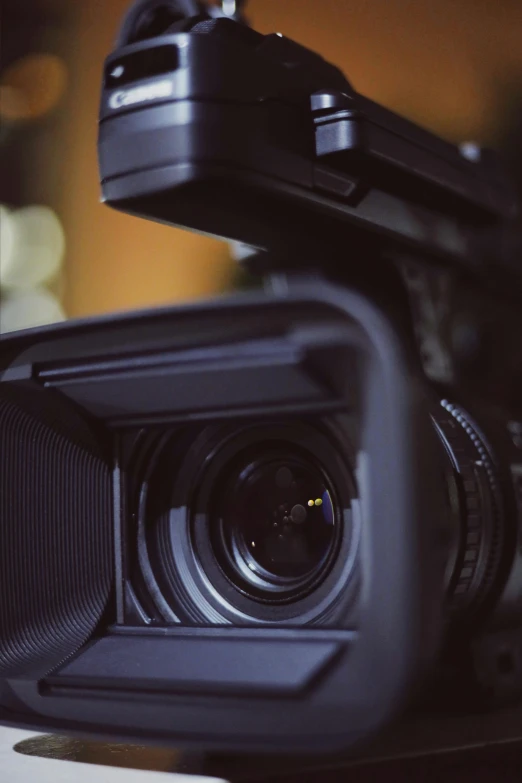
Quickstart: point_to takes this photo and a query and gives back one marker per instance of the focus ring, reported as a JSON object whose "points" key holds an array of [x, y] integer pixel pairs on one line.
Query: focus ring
{"points": [[480, 507]]}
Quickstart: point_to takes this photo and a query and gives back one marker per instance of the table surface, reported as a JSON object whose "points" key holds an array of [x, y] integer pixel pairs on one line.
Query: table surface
{"points": [[47, 758], [26, 756]]}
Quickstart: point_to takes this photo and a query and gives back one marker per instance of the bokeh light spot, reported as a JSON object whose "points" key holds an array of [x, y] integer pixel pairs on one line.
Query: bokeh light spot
{"points": [[32, 245], [32, 86]]}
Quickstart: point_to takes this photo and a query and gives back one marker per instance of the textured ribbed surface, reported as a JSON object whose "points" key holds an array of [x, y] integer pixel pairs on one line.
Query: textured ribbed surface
{"points": [[55, 532], [474, 513]]}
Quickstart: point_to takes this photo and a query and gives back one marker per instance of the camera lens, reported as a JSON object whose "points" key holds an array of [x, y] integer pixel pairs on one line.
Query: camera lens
{"points": [[277, 525], [261, 524]]}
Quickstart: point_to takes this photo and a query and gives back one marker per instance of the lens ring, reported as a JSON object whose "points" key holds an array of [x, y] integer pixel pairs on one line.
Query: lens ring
{"points": [[475, 561]]}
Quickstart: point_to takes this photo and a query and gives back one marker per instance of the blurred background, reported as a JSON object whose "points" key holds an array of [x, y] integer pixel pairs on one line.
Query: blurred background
{"points": [[453, 67]]}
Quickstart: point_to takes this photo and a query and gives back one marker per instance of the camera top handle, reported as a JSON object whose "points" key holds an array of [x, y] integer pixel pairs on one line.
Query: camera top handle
{"points": [[207, 124]]}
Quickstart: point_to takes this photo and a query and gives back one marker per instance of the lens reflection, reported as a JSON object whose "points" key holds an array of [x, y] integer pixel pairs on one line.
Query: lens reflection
{"points": [[278, 522]]}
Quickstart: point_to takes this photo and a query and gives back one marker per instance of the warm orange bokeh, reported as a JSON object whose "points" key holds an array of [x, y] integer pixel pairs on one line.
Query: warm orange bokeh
{"points": [[31, 87]]}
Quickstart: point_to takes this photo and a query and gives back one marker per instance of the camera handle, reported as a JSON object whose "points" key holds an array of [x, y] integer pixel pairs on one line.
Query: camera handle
{"points": [[149, 18]]}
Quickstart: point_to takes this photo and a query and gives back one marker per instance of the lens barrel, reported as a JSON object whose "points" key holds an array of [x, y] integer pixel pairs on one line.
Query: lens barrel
{"points": [[259, 523], [254, 523]]}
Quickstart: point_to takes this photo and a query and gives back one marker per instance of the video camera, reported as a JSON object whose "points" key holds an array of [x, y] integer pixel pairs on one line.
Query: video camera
{"points": [[274, 520]]}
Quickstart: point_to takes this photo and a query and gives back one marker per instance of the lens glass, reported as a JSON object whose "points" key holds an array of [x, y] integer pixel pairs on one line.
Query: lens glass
{"points": [[278, 524]]}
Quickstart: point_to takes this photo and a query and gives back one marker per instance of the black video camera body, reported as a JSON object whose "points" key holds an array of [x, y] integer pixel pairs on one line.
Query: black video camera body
{"points": [[273, 520]]}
